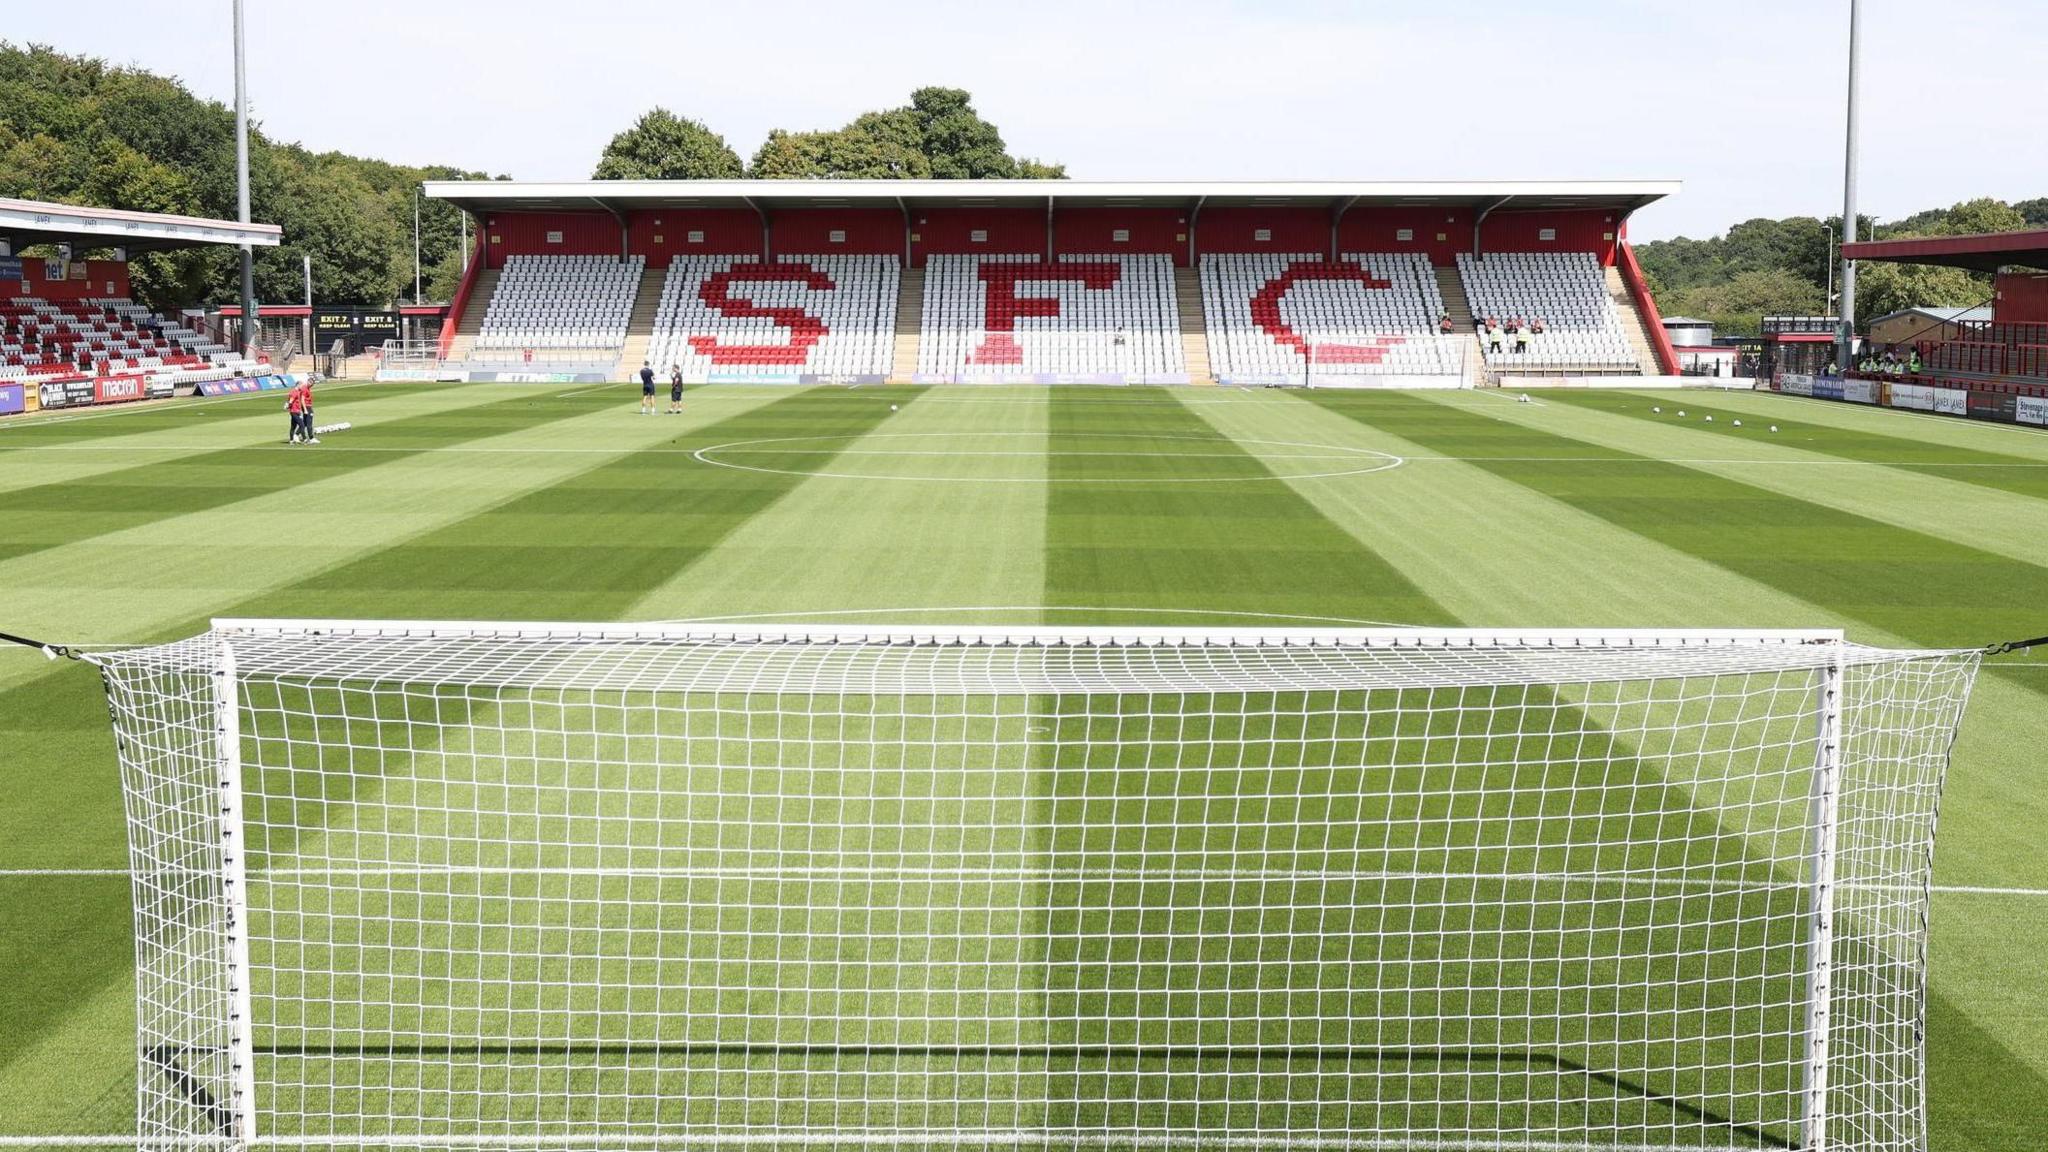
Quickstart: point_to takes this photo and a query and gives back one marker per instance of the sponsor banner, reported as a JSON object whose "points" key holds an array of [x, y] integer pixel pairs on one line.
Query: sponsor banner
{"points": [[244, 384], [1951, 401], [1999, 406], [407, 375], [1166, 378], [1860, 391], [2027, 409], [66, 393], [118, 391], [843, 378], [748, 378], [159, 388], [13, 399], [1914, 397], [1795, 384], [10, 267], [1827, 388]]}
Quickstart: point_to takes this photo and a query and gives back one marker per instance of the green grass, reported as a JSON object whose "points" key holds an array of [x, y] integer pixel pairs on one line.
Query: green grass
{"points": [[1029, 1001]]}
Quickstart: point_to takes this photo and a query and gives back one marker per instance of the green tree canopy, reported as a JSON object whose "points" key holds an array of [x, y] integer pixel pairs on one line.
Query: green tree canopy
{"points": [[938, 135], [75, 129], [664, 146]]}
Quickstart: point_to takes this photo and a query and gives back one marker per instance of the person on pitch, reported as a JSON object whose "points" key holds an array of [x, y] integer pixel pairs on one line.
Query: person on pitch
{"points": [[675, 389], [646, 388], [306, 413], [295, 407]]}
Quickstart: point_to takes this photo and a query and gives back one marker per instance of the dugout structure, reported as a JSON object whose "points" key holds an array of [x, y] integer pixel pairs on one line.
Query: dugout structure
{"points": [[577, 887]]}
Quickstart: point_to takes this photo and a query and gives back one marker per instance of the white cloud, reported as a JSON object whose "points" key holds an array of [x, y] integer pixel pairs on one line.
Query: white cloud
{"points": [[1741, 99]]}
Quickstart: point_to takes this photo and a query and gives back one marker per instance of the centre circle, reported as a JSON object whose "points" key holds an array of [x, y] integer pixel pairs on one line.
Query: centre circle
{"points": [[840, 457]]}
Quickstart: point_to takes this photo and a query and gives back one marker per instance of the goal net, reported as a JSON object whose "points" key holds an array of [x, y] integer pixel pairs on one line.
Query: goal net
{"points": [[577, 887]]}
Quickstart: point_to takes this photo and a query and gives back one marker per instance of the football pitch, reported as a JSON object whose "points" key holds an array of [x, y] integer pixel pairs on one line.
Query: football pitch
{"points": [[1009, 506]]}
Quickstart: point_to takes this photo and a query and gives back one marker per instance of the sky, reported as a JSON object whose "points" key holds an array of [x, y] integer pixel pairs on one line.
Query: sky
{"points": [[1742, 100]]}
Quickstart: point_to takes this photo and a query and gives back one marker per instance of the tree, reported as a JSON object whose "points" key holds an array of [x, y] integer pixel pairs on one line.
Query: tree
{"points": [[663, 146], [1737, 305], [938, 135], [2034, 212], [1883, 288]]}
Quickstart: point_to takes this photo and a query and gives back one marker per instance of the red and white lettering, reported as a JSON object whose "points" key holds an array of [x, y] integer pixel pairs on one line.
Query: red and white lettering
{"points": [[805, 330], [1003, 307], [1266, 311]]}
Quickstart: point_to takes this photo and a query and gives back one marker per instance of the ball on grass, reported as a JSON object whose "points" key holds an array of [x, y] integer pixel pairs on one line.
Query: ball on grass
{"points": [[1738, 423], [1710, 419], [892, 407], [1774, 427], [1681, 411], [1657, 408]]}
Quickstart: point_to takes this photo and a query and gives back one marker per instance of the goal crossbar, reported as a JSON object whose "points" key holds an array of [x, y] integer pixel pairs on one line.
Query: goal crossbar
{"points": [[573, 885]]}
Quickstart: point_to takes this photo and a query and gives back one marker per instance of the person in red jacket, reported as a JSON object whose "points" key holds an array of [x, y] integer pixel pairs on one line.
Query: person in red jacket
{"points": [[295, 406]]}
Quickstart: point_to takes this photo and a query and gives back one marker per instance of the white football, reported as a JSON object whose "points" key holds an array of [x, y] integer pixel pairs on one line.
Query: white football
{"points": [[1681, 411], [892, 407], [1738, 423], [1710, 419], [1774, 427], [1657, 408]]}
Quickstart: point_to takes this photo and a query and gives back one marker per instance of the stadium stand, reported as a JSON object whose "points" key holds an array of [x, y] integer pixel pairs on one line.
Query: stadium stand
{"points": [[806, 314], [1362, 314], [1567, 291], [1082, 314], [105, 338], [562, 302]]}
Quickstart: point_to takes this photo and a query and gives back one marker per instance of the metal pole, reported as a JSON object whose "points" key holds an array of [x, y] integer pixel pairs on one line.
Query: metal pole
{"points": [[415, 244], [1828, 299], [1845, 327], [242, 185], [307, 332], [465, 241]]}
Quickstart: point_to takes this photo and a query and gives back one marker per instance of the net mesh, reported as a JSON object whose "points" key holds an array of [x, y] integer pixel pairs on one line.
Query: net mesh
{"points": [[524, 888]]}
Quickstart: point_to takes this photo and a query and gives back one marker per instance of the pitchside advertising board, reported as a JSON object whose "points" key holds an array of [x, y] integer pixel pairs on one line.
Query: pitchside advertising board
{"points": [[67, 393], [2031, 410], [242, 384], [13, 399]]}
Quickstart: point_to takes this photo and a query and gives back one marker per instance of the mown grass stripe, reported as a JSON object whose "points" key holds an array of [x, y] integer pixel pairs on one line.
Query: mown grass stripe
{"points": [[2004, 472], [48, 516], [1860, 568], [1173, 538]]}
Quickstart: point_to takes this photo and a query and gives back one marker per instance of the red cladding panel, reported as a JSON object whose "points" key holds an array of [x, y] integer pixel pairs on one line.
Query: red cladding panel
{"points": [[951, 231], [549, 234], [2022, 298], [662, 233], [1379, 230], [861, 231], [102, 278], [1590, 231], [1093, 231], [1305, 230]]}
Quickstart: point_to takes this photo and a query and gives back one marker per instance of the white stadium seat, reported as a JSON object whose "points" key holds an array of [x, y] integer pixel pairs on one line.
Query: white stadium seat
{"points": [[1566, 290], [1367, 313], [580, 302], [799, 314], [1083, 315]]}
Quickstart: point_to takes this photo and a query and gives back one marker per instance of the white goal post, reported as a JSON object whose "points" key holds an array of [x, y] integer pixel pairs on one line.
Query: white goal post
{"points": [[581, 886]]}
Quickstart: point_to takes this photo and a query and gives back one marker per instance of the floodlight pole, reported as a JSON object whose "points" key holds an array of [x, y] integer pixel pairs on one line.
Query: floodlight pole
{"points": [[415, 243], [242, 185], [1845, 324]]}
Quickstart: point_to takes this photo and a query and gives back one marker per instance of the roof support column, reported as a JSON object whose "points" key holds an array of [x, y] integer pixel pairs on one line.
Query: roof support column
{"points": [[1194, 216], [767, 239], [1479, 221], [625, 230], [905, 209], [1336, 219], [1048, 230]]}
